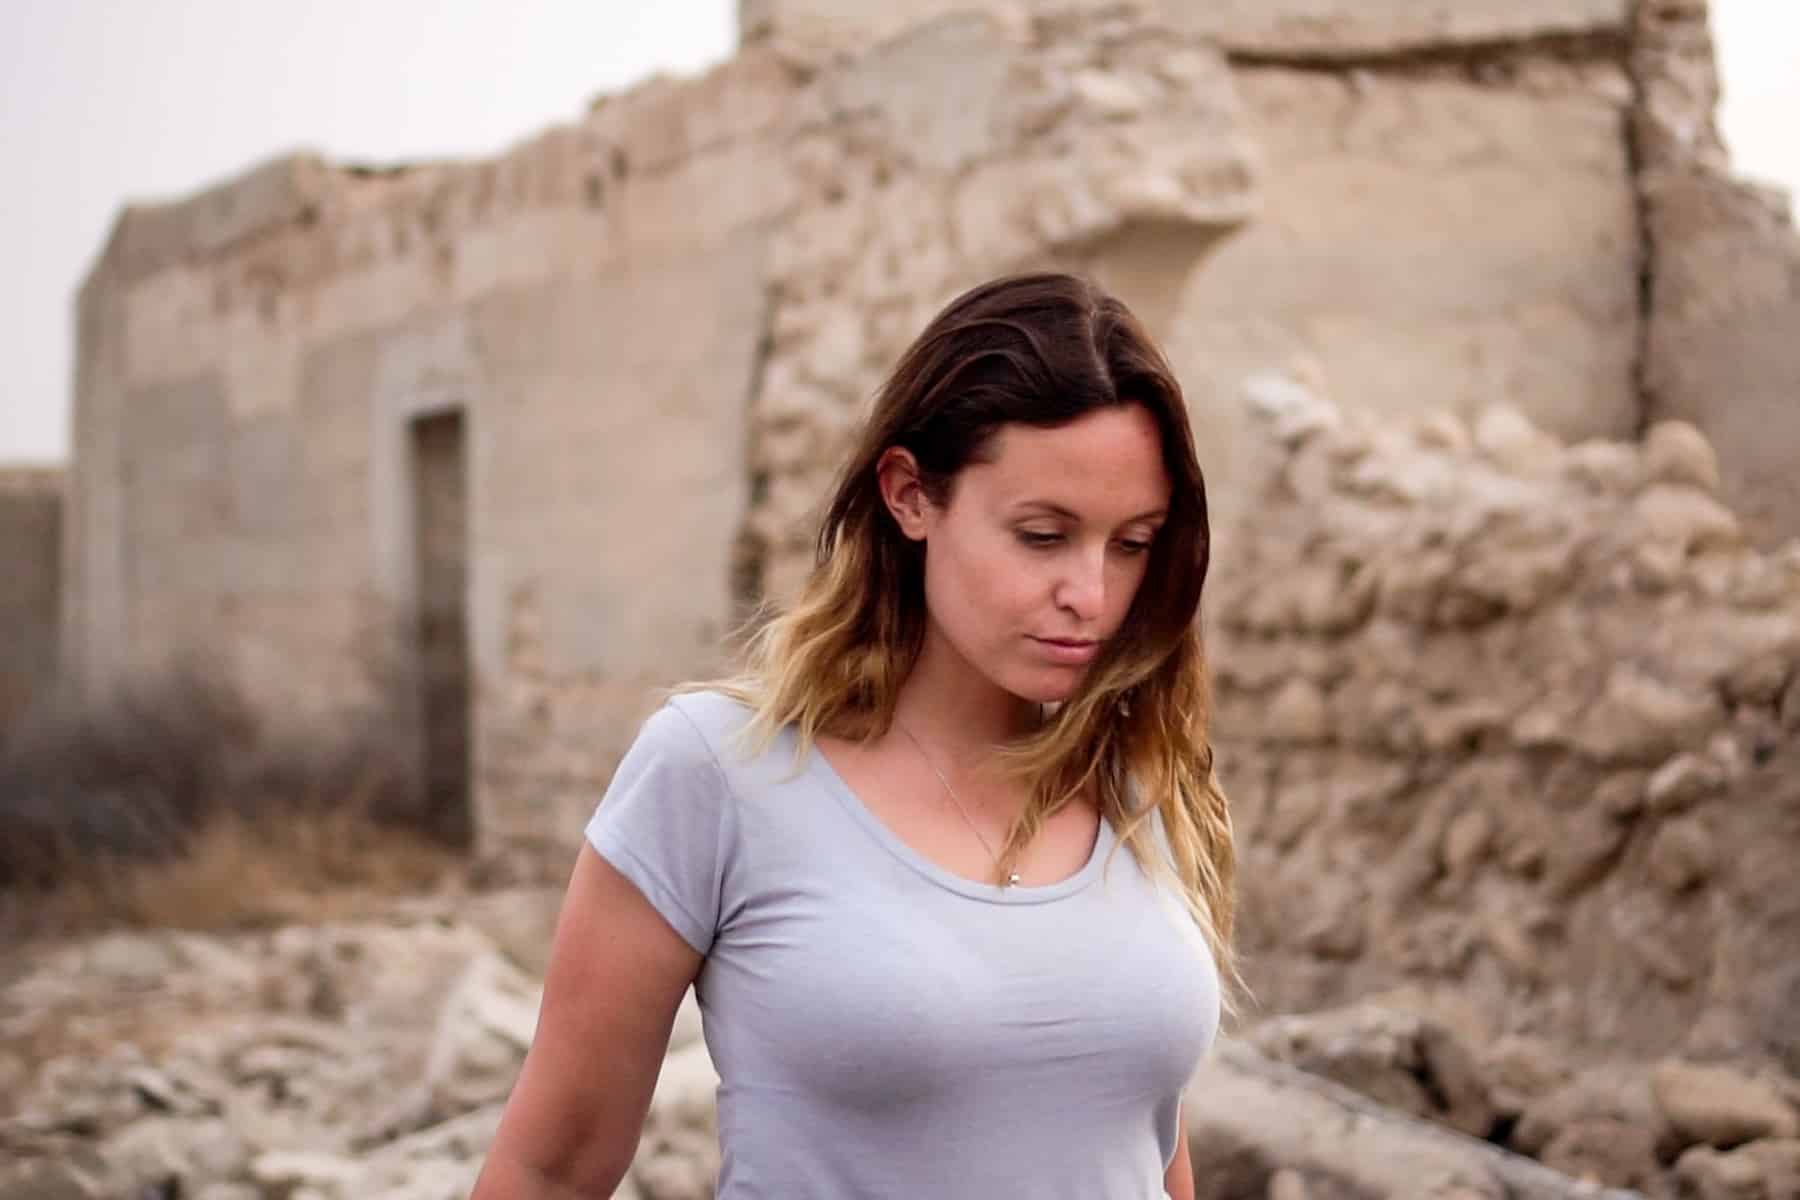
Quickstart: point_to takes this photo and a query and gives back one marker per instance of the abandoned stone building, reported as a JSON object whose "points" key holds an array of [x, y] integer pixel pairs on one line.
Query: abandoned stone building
{"points": [[540, 429]]}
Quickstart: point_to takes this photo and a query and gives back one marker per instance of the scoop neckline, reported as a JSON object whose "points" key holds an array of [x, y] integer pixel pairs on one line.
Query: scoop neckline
{"points": [[990, 893]]}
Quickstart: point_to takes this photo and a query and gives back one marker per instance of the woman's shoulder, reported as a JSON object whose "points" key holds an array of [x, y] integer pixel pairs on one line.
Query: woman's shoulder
{"points": [[700, 720], [712, 711]]}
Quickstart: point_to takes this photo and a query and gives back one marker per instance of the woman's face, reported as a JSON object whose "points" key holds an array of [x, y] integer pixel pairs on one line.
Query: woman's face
{"points": [[1035, 560]]}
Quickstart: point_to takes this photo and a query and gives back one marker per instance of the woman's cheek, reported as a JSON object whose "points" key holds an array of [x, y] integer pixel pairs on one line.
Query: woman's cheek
{"points": [[1120, 594]]}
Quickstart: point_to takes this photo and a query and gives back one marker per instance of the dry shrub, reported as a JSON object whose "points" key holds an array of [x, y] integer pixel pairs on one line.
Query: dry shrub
{"points": [[175, 803], [232, 875]]}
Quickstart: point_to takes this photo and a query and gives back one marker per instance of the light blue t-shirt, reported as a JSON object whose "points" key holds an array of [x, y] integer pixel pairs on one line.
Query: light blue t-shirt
{"points": [[882, 1026]]}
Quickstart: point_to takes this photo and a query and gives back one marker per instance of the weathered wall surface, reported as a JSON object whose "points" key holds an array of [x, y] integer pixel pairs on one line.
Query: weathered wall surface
{"points": [[957, 152], [1477, 203], [1445, 212], [31, 504], [658, 323], [1495, 714], [1721, 345], [252, 360], [661, 322], [1429, 239], [1340, 30], [1424, 232]]}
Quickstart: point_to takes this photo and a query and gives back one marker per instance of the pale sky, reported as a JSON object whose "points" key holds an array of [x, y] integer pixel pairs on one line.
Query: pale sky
{"points": [[106, 102]]}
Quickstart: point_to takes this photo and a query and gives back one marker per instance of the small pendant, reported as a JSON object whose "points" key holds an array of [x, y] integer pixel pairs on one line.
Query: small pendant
{"points": [[1012, 880]]}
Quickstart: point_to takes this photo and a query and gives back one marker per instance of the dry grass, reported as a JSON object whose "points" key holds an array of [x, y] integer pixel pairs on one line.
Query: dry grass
{"points": [[234, 878], [175, 804], [234, 874]]}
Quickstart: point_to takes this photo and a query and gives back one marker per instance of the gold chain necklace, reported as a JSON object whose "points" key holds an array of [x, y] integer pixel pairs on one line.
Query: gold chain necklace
{"points": [[1012, 877]]}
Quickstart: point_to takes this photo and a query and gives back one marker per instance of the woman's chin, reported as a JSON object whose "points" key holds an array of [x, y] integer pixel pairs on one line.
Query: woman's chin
{"points": [[1047, 687]]}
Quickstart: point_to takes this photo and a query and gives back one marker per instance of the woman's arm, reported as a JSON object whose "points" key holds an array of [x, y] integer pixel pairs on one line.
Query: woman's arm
{"points": [[616, 975], [1178, 1180]]}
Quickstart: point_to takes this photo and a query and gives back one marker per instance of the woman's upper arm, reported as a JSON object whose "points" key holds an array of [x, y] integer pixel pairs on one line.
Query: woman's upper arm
{"points": [[616, 974]]}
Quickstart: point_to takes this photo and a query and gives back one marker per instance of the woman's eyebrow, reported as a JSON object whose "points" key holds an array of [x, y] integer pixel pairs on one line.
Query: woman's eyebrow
{"points": [[1052, 507]]}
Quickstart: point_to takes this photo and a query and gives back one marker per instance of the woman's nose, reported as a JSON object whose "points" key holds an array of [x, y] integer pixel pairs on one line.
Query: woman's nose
{"points": [[1083, 589]]}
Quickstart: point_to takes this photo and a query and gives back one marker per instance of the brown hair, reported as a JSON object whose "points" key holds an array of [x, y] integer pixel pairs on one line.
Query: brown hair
{"points": [[1040, 350]]}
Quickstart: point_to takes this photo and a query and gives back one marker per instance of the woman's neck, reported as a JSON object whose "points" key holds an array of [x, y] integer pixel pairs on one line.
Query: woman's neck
{"points": [[956, 709]]}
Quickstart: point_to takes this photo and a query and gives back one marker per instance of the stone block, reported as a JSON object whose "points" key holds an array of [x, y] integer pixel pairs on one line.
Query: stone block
{"points": [[1720, 1107], [1767, 1168]]}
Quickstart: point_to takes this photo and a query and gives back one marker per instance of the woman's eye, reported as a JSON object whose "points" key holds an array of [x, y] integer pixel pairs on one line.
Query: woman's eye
{"points": [[1037, 537], [1132, 546]]}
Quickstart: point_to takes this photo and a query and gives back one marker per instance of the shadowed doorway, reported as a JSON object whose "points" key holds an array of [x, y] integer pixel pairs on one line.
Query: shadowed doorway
{"points": [[440, 547]]}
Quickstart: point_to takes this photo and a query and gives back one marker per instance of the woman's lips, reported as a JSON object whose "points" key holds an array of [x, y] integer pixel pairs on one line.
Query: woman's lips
{"points": [[1068, 651]]}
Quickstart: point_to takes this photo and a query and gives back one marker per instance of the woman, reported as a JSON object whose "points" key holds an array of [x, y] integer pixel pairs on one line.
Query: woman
{"points": [[884, 854]]}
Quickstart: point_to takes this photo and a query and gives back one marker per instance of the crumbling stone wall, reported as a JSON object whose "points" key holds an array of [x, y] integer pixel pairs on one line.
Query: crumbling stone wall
{"points": [[1724, 291], [1453, 220], [1345, 31], [252, 360], [30, 546], [661, 320], [957, 152], [1522, 204], [1501, 718]]}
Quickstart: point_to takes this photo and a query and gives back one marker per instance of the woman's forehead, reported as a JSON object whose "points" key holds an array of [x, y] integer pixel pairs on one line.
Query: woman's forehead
{"points": [[1109, 460]]}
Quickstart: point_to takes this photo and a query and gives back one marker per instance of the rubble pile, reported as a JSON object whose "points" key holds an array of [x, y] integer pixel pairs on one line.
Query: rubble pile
{"points": [[1667, 1129], [1509, 727], [294, 1063], [1512, 723]]}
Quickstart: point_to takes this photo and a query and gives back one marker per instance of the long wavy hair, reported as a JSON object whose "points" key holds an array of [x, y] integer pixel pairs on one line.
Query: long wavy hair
{"points": [[1040, 350]]}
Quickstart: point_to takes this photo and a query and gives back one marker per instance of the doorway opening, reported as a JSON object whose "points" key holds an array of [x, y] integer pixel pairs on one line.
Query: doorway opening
{"points": [[440, 574]]}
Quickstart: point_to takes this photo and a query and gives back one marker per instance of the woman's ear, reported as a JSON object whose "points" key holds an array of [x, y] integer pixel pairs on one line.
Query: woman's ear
{"points": [[897, 472]]}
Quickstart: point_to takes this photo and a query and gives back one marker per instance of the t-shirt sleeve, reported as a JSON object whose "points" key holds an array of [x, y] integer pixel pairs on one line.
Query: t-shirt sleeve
{"points": [[665, 824]]}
